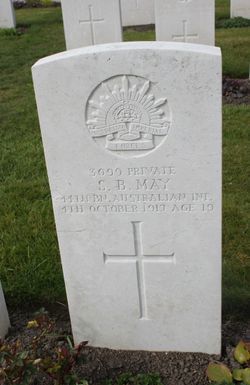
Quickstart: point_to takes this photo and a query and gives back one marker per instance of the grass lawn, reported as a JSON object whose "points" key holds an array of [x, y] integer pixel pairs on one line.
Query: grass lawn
{"points": [[30, 267], [235, 47], [222, 9]]}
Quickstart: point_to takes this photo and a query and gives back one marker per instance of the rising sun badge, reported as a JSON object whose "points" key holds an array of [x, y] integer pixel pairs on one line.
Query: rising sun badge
{"points": [[127, 115]]}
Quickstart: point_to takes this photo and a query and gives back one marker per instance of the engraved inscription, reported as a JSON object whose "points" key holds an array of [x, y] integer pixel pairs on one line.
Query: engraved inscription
{"points": [[135, 190], [185, 37], [139, 258], [128, 116], [91, 21], [125, 203]]}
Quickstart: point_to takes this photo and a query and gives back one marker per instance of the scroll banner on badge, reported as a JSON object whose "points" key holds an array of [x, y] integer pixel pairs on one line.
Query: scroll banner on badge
{"points": [[133, 127]]}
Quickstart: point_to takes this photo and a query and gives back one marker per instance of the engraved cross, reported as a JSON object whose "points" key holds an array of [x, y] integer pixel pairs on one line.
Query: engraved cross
{"points": [[185, 36], [139, 258], [91, 21]]}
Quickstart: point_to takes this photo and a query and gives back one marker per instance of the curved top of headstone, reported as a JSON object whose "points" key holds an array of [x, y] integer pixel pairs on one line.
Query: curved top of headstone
{"points": [[127, 85], [131, 46]]}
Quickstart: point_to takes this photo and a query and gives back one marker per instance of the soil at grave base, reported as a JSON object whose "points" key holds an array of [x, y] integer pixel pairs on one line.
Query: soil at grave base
{"points": [[236, 91], [100, 364]]}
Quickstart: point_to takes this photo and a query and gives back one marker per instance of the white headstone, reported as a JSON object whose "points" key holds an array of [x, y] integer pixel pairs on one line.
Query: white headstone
{"points": [[240, 8], [132, 138], [91, 22], [137, 12], [7, 14], [4, 318], [188, 21]]}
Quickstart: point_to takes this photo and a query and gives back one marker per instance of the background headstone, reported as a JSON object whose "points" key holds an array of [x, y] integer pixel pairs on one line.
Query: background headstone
{"points": [[92, 23], [137, 12], [132, 138], [189, 21], [240, 8], [4, 318], [7, 14]]}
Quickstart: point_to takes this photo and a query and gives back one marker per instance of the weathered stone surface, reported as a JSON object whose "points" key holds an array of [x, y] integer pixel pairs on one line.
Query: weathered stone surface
{"points": [[189, 21], [89, 23], [4, 318], [137, 12], [7, 14], [132, 138], [240, 8]]}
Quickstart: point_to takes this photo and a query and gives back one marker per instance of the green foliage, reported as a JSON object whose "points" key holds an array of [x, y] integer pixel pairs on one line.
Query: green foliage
{"points": [[242, 375], [238, 374], [8, 32], [236, 22], [240, 382], [246, 376], [19, 366], [52, 358], [139, 379], [224, 383], [59, 366], [222, 375], [219, 373], [241, 353]]}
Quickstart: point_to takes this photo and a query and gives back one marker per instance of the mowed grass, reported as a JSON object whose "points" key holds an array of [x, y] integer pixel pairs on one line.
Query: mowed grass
{"points": [[235, 47], [30, 267], [236, 209], [29, 259], [222, 9]]}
